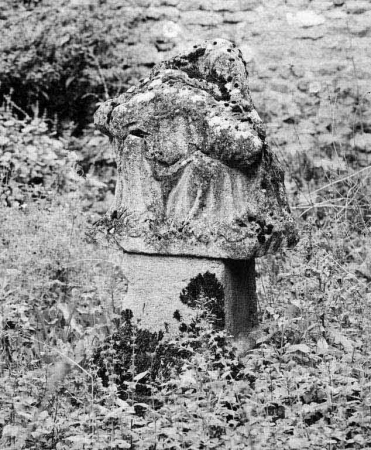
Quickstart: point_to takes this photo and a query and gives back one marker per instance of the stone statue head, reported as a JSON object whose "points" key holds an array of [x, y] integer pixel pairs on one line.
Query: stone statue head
{"points": [[195, 174]]}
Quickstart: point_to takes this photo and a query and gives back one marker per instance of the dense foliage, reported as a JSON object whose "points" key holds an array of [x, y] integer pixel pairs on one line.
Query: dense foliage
{"points": [[133, 353], [301, 381], [60, 57], [35, 164]]}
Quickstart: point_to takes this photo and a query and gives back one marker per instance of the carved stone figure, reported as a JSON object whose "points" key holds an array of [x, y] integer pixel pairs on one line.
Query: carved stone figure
{"points": [[196, 177]]}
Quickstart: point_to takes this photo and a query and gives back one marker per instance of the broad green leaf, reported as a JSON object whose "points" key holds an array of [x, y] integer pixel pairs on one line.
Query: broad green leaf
{"points": [[322, 345], [298, 348], [339, 338], [140, 375]]}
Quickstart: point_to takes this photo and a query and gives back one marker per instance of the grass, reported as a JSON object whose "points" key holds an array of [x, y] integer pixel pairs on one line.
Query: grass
{"points": [[303, 382]]}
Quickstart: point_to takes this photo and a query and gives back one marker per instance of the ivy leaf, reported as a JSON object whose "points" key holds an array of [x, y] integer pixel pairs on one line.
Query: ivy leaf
{"points": [[78, 439], [322, 345], [4, 141], [298, 348], [339, 338], [140, 376], [119, 443], [12, 431], [64, 39], [298, 443], [69, 81]]}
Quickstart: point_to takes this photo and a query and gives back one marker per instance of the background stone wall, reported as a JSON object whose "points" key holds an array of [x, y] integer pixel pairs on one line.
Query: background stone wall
{"points": [[309, 65]]}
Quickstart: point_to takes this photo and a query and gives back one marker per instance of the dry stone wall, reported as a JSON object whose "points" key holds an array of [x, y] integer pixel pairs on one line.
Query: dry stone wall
{"points": [[309, 64]]}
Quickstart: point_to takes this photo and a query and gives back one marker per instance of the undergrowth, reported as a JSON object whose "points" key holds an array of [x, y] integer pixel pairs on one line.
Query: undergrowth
{"points": [[65, 57], [77, 371], [303, 380], [36, 164]]}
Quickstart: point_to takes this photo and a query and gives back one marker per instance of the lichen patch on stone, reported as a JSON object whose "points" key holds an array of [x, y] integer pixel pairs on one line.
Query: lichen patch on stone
{"points": [[144, 97]]}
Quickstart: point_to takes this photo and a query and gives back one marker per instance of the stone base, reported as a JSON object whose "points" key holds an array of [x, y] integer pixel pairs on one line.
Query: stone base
{"points": [[155, 283]]}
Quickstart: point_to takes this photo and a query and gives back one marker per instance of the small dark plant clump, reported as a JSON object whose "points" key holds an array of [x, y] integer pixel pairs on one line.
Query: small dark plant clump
{"points": [[206, 292], [135, 354], [136, 357]]}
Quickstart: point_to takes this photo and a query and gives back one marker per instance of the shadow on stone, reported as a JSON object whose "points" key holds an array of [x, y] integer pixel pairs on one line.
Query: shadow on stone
{"points": [[205, 292]]}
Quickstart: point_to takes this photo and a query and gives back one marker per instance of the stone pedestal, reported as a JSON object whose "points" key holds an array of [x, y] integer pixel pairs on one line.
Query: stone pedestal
{"points": [[155, 283]]}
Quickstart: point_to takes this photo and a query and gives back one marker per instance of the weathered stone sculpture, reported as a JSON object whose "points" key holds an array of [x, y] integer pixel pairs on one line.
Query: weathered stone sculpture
{"points": [[198, 188]]}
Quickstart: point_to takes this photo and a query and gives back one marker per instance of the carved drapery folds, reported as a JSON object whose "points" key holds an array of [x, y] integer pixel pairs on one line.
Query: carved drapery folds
{"points": [[195, 175]]}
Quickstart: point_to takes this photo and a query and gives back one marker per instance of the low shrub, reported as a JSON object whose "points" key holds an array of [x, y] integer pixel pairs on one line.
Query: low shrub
{"points": [[36, 164], [64, 57], [133, 354], [33, 163]]}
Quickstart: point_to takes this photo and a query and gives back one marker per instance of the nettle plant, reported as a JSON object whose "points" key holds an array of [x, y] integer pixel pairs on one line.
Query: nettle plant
{"points": [[317, 331]]}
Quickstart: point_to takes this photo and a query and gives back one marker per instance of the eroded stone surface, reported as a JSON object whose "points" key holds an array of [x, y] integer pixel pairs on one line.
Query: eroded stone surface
{"points": [[196, 176], [155, 284]]}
